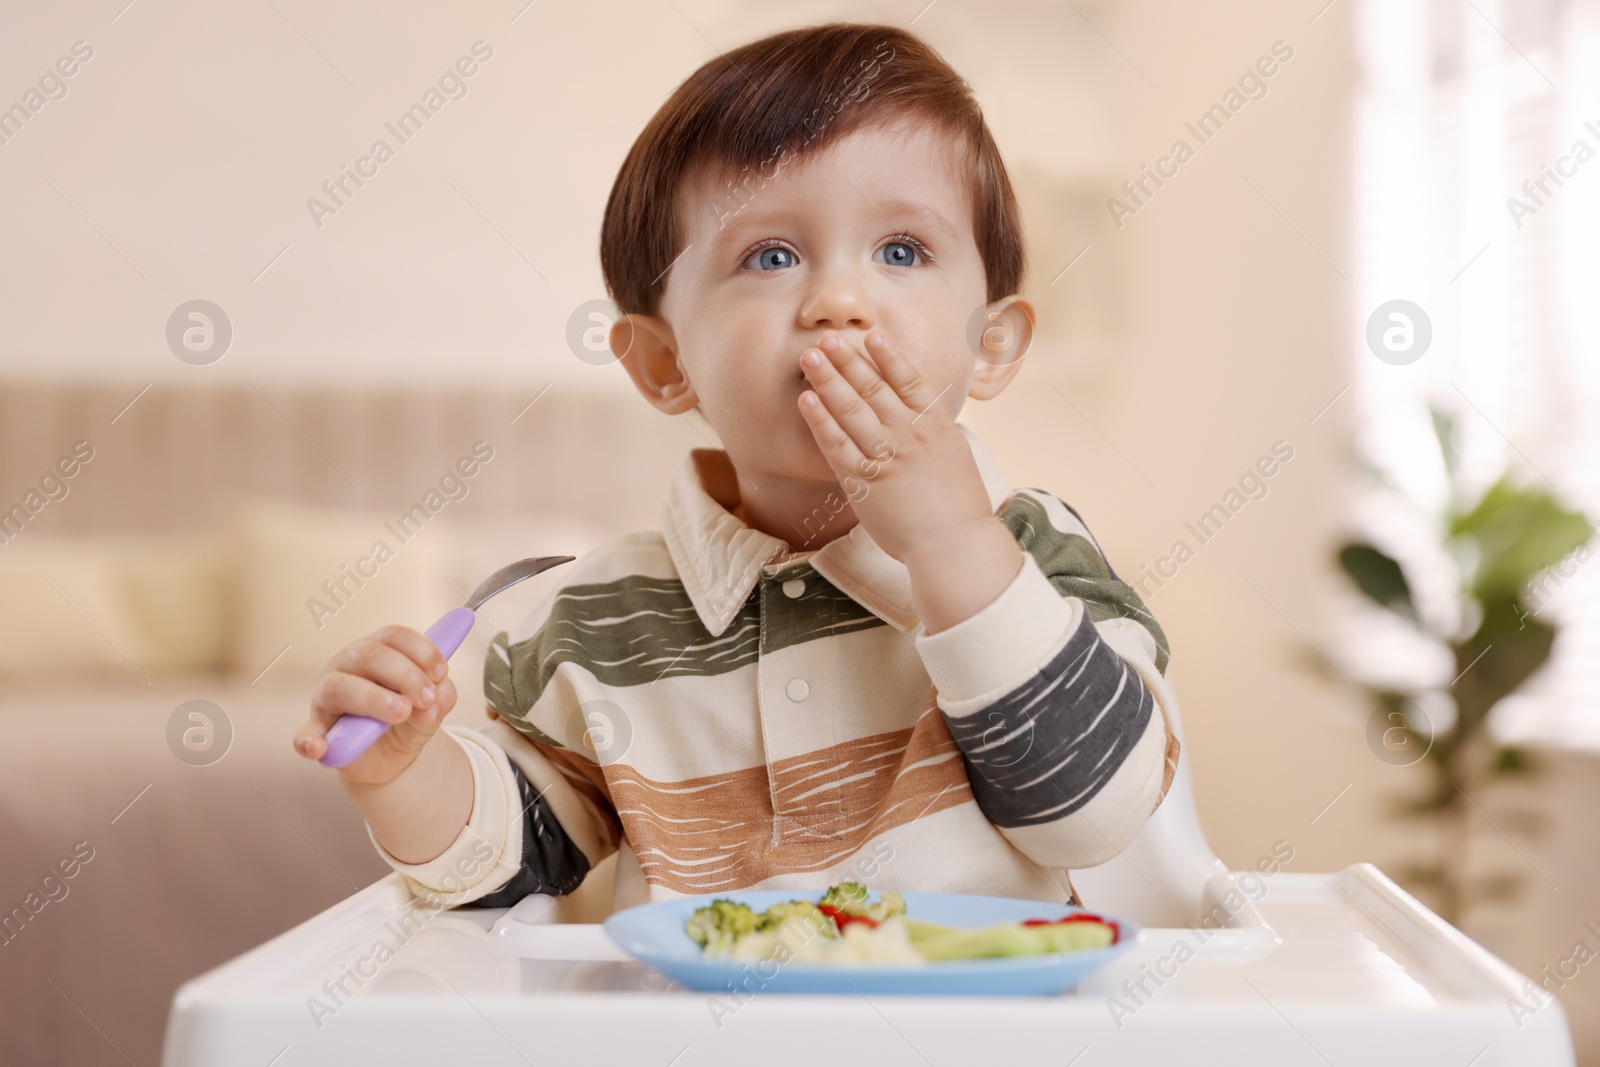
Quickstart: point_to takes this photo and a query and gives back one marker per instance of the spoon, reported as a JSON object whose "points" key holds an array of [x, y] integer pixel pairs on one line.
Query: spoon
{"points": [[354, 734]]}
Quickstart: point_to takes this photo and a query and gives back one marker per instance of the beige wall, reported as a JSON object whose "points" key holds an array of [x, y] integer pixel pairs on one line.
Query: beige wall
{"points": [[1230, 334]]}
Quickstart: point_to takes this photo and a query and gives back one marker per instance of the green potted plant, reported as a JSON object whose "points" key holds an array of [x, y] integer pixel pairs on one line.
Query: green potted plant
{"points": [[1498, 541]]}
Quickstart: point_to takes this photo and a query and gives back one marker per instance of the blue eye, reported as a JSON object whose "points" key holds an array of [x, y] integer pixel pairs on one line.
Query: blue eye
{"points": [[903, 253], [771, 256]]}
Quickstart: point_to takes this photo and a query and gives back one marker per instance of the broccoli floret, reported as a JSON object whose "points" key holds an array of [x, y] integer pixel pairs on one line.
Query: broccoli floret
{"points": [[888, 906], [848, 897], [801, 911], [719, 924]]}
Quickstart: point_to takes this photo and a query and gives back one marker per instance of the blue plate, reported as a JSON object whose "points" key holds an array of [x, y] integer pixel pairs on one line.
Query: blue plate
{"points": [[654, 935]]}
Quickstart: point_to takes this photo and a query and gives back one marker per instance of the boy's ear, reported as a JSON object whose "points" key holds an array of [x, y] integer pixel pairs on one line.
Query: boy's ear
{"points": [[646, 347], [1007, 335]]}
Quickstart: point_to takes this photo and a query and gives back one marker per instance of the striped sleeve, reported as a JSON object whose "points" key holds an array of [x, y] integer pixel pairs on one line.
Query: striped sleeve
{"points": [[516, 840], [1056, 695], [548, 860], [487, 851]]}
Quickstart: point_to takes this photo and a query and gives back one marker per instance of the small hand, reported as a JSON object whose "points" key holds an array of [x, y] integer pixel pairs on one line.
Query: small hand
{"points": [[901, 460], [395, 675]]}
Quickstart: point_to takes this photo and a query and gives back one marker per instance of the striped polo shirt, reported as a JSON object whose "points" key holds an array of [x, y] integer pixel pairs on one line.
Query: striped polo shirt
{"points": [[727, 713]]}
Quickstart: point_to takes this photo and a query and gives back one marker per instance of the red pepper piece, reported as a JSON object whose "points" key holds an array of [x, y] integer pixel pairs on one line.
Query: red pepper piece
{"points": [[1077, 917], [841, 920]]}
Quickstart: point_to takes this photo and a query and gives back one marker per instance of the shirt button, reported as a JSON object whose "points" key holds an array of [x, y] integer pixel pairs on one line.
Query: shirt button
{"points": [[797, 689], [794, 587]]}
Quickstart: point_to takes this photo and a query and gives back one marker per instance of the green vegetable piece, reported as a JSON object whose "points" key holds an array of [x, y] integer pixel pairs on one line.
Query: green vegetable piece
{"points": [[888, 906], [850, 898], [719, 924], [937, 942], [801, 911], [847, 897]]}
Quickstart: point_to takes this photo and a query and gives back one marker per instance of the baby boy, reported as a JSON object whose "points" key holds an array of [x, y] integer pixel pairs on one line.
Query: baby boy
{"points": [[851, 650]]}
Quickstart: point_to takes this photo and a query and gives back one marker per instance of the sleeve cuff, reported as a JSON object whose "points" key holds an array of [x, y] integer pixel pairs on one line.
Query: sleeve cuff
{"points": [[488, 850], [986, 656]]}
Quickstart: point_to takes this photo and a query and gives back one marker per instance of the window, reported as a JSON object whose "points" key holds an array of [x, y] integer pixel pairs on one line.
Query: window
{"points": [[1478, 199]]}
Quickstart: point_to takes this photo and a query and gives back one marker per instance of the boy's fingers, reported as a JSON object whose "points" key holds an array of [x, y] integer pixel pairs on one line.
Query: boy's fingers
{"points": [[426, 720], [388, 666], [310, 739], [863, 377], [843, 401], [899, 371], [837, 446], [423, 652], [447, 696], [348, 694]]}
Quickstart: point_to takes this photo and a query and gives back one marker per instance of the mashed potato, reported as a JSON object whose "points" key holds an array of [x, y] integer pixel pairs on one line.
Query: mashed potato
{"points": [[887, 944]]}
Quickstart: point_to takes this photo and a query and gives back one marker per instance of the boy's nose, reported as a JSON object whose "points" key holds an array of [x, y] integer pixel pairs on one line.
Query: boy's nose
{"points": [[838, 305]]}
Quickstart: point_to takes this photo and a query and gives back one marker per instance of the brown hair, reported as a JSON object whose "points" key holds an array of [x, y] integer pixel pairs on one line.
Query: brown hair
{"points": [[745, 111]]}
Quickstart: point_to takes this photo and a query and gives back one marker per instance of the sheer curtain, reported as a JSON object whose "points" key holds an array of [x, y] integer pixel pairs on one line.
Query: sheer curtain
{"points": [[1462, 102]]}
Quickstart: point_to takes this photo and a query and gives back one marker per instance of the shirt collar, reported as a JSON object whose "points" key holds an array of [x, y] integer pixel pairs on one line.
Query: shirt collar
{"points": [[719, 558]]}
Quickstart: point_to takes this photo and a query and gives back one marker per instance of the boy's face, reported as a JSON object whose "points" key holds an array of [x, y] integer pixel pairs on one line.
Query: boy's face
{"points": [[829, 243]]}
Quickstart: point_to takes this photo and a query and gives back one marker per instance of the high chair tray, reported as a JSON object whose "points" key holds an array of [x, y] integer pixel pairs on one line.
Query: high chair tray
{"points": [[1336, 969]]}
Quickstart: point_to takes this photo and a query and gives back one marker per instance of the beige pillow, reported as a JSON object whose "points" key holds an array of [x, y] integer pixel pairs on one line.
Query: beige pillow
{"points": [[310, 580], [176, 592], [118, 608], [126, 609]]}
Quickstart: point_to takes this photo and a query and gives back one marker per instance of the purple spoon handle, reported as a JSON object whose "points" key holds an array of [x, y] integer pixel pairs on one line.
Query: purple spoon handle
{"points": [[354, 734]]}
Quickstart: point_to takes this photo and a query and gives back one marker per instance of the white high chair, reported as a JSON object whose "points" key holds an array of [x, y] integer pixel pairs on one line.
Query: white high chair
{"points": [[1234, 968]]}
